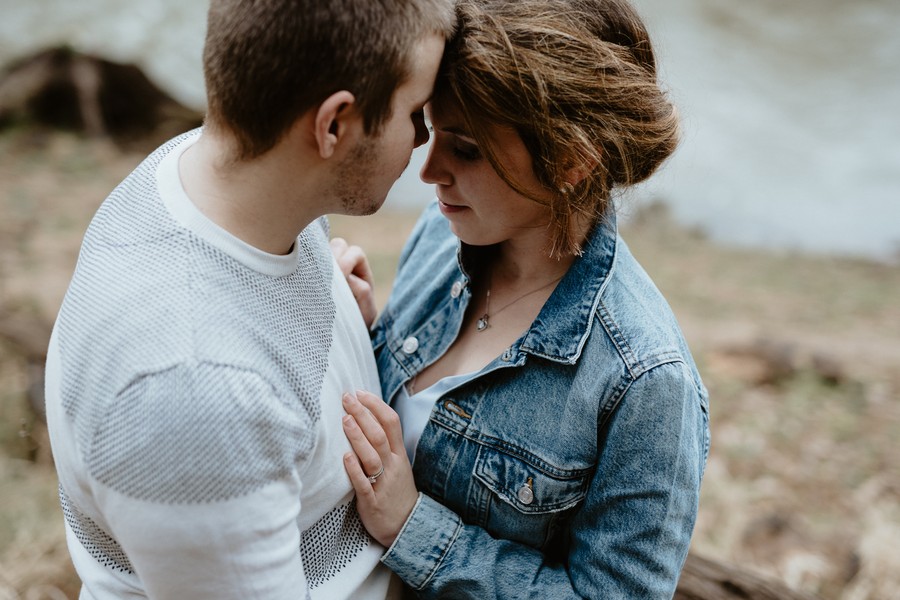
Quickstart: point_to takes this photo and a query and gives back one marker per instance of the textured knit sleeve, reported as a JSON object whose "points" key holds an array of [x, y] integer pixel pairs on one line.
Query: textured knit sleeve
{"points": [[195, 475]]}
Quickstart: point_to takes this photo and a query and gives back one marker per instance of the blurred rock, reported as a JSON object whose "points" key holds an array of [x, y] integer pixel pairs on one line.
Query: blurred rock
{"points": [[829, 368], [28, 336], [762, 362], [61, 88], [771, 361]]}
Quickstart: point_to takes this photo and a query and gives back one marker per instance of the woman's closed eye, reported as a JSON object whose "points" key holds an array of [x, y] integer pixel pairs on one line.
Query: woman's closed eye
{"points": [[459, 145], [465, 150]]}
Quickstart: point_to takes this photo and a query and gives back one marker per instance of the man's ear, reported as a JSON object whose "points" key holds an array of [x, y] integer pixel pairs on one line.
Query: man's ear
{"points": [[332, 121]]}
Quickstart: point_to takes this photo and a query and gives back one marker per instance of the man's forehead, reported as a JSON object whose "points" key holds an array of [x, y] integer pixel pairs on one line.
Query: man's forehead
{"points": [[425, 60]]}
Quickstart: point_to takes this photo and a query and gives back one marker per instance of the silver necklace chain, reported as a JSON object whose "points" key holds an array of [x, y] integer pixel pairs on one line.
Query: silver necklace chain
{"points": [[484, 322]]}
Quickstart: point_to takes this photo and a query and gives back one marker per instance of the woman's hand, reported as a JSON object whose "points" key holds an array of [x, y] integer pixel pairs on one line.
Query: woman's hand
{"points": [[373, 429], [355, 267]]}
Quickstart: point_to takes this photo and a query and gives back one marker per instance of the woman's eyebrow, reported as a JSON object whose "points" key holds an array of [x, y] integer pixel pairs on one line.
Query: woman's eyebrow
{"points": [[457, 131]]}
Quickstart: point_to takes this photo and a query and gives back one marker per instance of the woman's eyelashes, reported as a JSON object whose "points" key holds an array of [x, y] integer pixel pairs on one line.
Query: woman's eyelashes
{"points": [[459, 146], [465, 151]]}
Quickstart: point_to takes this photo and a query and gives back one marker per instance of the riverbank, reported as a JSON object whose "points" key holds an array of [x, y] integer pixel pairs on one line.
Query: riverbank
{"points": [[800, 355], [810, 163]]}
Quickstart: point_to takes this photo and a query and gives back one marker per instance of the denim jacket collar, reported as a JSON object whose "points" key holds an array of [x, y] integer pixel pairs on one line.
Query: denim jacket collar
{"points": [[564, 323]]}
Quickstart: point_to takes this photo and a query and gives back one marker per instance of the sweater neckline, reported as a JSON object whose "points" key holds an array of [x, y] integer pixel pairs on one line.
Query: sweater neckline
{"points": [[185, 212]]}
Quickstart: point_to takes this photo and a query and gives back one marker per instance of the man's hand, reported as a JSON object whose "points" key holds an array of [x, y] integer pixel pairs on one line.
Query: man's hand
{"points": [[355, 267]]}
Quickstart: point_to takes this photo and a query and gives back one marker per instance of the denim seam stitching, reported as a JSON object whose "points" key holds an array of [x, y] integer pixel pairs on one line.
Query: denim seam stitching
{"points": [[618, 340], [542, 465], [443, 556], [622, 390], [403, 528], [548, 508], [584, 335]]}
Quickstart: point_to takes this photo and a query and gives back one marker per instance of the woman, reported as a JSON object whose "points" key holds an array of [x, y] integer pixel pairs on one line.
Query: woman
{"points": [[556, 419]]}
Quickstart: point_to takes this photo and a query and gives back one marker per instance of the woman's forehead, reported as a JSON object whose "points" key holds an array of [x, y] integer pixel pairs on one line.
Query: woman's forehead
{"points": [[446, 110], [446, 114]]}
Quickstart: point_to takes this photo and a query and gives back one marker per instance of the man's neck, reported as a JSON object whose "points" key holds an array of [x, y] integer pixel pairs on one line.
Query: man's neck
{"points": [[266, 202]]}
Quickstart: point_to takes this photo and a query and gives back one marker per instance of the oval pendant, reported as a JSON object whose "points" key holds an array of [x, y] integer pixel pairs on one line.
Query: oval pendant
{"points": [[482, 323]]}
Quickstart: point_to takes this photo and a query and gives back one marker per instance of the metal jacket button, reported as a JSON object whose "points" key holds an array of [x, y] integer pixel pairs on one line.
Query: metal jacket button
{"points": [[525, 494], [456, 290], [410, 345]]}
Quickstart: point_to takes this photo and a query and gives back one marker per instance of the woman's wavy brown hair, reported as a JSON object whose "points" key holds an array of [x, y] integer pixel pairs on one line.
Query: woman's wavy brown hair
{"points": [[577, 80]]}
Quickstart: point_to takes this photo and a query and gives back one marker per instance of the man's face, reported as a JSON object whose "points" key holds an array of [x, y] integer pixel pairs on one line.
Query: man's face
{"points": [[369, 170]]}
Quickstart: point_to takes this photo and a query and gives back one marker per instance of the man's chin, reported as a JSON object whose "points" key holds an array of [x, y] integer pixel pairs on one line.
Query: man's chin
{"points": [[362, 208]]}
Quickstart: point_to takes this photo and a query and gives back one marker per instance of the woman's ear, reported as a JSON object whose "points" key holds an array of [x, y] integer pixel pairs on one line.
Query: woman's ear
{"points": [[580, 168], [332, 121]]}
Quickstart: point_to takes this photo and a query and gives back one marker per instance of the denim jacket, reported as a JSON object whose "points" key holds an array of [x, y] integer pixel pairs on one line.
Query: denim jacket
{"points": [[571, 467]]}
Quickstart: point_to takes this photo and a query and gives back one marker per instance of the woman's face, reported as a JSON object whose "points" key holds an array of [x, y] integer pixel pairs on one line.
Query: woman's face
{"points": [[481, 207]]}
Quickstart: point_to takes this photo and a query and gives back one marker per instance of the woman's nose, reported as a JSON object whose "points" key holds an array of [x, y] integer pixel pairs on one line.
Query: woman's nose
{"points": [[433, 171]]}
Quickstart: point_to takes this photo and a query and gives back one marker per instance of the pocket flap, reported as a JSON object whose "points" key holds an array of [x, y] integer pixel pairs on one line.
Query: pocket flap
{"points": [[525, 486]]}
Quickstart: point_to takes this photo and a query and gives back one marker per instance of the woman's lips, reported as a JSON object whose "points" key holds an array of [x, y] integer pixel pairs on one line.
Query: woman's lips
{"points": [[450, 208]]}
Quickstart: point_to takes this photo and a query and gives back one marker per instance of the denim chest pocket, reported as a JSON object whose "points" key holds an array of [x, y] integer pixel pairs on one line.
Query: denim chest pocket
{"points": [[522, 502]]}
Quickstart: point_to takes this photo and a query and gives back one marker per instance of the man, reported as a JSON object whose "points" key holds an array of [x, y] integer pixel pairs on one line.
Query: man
{"points": [[197, 364]]}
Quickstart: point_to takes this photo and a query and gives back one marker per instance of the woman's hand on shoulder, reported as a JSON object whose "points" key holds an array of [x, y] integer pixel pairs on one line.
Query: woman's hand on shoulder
{"points": [[355, 267], [378, 467]]}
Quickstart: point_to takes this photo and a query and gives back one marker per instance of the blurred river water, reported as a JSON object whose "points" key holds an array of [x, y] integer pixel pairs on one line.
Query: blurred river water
{"points": [[791, 132]]}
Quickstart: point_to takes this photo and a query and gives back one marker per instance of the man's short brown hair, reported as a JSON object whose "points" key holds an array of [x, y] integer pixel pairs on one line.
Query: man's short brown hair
{"points": [[266, 62]]}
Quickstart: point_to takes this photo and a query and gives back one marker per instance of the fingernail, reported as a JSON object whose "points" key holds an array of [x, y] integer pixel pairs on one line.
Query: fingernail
{"points": [[347, 398]]}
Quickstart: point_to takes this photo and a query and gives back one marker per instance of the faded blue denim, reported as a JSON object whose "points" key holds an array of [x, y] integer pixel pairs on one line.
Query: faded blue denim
{"points": [[597, 409]]}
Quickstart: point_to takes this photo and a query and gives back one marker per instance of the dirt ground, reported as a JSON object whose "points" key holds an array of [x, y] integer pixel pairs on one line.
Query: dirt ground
{"points": [[800, 355]]}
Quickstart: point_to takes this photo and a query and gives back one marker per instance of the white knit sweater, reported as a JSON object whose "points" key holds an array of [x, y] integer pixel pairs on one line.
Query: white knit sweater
{"points": [[194, 402]]}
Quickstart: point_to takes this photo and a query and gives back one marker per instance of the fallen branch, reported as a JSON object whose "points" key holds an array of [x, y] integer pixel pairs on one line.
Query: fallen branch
{"points": [[705, 579]]}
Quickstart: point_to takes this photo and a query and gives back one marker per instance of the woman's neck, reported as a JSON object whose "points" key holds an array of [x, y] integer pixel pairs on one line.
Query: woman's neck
{"points": [[516, 270], [527, 260], [523, 262]]}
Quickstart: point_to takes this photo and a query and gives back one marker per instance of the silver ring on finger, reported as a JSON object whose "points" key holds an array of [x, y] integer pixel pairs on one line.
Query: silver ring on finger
{"points": [[380, 472]]}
